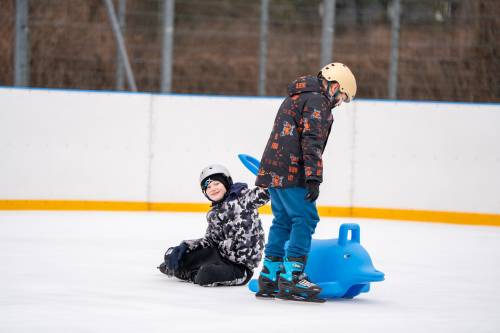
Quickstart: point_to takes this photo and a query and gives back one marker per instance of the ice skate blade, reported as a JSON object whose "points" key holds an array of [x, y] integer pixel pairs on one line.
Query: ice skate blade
{"points": [[299, 298], [266, 296]]}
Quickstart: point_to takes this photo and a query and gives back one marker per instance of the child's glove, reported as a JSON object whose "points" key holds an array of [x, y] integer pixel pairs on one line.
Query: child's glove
{"points": [[312, 190], [173, 258]]}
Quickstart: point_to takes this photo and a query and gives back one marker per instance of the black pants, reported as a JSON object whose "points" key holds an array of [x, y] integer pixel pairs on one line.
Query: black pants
{"points": [[206, 267]]}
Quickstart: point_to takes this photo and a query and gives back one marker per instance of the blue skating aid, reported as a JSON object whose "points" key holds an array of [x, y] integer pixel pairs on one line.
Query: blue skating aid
{"points": [[341, 267], [251, 163]]}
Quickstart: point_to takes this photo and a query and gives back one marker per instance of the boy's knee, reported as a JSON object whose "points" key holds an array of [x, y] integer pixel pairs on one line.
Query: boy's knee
{"points": [[220, 275], [207, 275]]}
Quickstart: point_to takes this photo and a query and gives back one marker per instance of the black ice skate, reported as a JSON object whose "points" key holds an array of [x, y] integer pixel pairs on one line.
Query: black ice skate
{"points": [[294, 285], [268, 278]]}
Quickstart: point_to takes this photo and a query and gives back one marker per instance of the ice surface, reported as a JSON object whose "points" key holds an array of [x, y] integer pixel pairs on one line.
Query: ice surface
{"points": [[96, 272]]}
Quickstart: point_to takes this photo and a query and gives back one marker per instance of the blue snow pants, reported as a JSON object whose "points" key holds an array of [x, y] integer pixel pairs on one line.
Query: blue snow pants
{"points": [[295, 220]]}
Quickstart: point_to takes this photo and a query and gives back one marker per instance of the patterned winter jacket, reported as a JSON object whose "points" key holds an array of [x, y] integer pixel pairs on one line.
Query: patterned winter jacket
{"points": [[234, 226], [301, 128]]}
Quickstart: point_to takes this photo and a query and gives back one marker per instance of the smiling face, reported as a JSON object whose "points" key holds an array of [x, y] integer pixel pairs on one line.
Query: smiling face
{"points": [[215, 190]]}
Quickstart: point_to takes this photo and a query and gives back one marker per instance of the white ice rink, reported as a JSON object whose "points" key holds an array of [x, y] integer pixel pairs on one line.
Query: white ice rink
{"points": [[96, 272]]}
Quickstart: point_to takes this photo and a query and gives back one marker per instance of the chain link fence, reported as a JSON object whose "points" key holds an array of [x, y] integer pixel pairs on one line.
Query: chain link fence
{"points": [[448, 49]]}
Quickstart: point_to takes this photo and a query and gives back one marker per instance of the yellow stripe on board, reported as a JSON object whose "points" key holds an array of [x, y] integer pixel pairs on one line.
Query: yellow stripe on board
{"points": [[179, 207], [324, 211], [73, 205], [427, 216]]}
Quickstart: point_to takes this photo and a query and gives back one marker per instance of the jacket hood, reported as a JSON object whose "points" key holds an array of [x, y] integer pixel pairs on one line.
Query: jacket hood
{"points": [[305, 84], [235, 190]]}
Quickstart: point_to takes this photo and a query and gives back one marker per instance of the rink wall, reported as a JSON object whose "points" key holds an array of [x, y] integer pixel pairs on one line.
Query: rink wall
{"points": [[422, 161]]}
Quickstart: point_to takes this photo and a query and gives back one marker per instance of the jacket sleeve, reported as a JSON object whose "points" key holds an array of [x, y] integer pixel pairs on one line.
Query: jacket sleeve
{"points": [[196, 244], [255, 197], [316, 129]]}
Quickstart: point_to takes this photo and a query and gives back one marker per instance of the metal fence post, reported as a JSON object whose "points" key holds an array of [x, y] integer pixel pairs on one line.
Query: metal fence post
{"points": [[168, 45], [395, 27], [121, 44], [122, 7], [264, 19], [328, 32], [21, 51]]}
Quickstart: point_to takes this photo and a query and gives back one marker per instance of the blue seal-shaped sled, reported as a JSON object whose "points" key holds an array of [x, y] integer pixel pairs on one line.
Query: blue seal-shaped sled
{"points": [[341, 267]]}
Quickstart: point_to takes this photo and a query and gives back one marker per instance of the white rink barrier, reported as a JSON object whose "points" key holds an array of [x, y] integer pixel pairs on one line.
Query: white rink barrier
{"points": [[63, 149]]}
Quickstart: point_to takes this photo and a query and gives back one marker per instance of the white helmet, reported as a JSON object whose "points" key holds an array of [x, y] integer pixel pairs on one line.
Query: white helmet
{"points": [[339, 72], [215, 169]]}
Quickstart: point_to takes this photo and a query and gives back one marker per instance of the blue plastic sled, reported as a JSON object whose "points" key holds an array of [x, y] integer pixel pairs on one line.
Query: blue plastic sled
{"points": [[341, 267], [251, 163]]}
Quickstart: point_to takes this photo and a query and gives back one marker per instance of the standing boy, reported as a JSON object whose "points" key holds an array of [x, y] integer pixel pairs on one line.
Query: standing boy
{"points": [[292, 168]]}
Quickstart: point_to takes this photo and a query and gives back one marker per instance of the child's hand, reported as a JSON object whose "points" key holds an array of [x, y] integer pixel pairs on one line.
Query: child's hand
{"points": [[312, 190], [175, 256]]}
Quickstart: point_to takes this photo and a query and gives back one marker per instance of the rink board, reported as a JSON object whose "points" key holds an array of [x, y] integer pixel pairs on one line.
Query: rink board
{"points": [[83, 150]]}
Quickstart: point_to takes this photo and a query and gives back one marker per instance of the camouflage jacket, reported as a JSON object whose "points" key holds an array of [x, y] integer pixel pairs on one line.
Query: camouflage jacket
{"points": [[301, 128], [234, 226]]}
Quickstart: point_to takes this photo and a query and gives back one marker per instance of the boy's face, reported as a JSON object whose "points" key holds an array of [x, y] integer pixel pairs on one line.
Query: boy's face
{"points": [[215, 190], [340, 96]]}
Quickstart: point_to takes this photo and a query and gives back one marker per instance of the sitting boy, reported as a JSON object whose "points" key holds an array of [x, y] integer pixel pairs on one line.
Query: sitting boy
{"points": [[234, 239]]}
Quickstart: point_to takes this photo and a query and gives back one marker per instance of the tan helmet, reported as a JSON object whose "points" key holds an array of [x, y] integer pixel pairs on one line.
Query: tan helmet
{"points": [[339, 72]]}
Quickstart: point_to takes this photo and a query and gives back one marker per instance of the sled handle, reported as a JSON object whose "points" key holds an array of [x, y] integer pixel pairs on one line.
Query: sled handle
{"points": [[344, 232], [251, 163]]}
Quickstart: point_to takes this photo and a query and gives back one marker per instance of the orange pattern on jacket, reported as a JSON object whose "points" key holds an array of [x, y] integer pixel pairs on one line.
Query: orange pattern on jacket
{"points": [[301, 128]]}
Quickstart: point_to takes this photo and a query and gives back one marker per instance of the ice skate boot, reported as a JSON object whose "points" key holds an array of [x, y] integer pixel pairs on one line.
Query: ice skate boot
{"points": [[294, 285], [268, 278]]}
